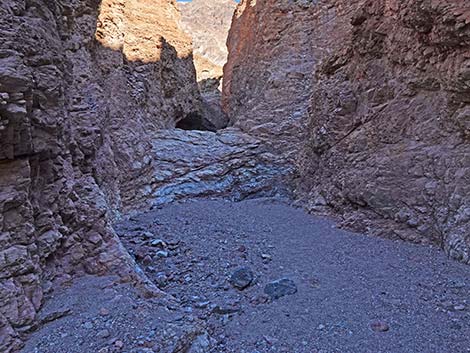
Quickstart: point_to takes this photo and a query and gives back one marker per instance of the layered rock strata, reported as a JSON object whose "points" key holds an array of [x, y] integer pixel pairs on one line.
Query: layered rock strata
{"points": [[380, 91], [227, 164], [81, 91]]}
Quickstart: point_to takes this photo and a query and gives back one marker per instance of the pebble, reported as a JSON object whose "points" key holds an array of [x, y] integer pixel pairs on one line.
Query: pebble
{"points": [[280, 288], [162, 253], [119, 344], [158, 242], [225, 309], [241, 278], [103, 334], [104, 312], [259, 299], [88, 325], [379, 326], [161, 279], [460, 307], [266, 257], [201, 305]]}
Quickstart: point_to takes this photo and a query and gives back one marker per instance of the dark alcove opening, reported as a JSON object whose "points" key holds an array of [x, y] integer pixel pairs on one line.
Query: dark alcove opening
{"points": [[195, 121]]}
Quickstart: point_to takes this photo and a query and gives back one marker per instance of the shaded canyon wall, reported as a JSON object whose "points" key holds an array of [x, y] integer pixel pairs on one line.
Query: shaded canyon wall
{"points": [[371, 100], [81, 92]]}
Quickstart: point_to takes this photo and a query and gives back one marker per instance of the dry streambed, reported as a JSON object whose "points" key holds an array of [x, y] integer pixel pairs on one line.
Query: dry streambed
{"points": [[262, 276]]}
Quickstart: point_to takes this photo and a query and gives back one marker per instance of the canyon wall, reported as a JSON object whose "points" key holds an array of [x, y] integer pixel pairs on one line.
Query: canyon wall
{"points": [[371, 100], [268, 76], [81, 92]]}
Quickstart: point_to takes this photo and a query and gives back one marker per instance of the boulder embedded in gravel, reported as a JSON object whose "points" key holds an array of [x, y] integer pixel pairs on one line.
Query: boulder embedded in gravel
{"points": [[241, 278], [280, 288]]}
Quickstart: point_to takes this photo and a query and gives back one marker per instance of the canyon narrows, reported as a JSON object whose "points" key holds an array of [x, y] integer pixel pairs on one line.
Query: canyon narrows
{"points": [[120, 157]]}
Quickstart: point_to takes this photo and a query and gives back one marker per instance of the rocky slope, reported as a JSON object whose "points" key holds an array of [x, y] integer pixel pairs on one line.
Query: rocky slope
{"points": [[81, 92], [385, 140]]}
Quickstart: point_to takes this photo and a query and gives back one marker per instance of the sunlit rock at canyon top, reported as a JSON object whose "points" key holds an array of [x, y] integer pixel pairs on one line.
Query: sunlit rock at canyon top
{"points": [[208, 23]]}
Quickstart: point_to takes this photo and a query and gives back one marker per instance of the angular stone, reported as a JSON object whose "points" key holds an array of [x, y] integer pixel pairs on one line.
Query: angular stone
{"points": [[242, 278], [280, 288]]}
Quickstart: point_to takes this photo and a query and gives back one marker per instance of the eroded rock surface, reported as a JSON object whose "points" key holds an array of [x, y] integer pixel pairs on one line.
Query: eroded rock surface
{"points": [[370, 98], [191, 164], [388, 142], [80, 89], [268, 77]]}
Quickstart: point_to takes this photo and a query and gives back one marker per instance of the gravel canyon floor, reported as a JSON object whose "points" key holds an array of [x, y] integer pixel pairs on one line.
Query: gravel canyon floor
{"points": [[262, 276]]}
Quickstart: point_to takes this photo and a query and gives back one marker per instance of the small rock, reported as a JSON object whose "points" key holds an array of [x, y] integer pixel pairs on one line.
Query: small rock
{"points": [[241, 248], [103, 334], [225, 309], [161, 280], [162, 253], [459, 307], [147, 260], [104, 312], [266, 257], [379, 326], [158, 243], [259, 299], [201, 344], [201, 305], [242, 278], [119, 344], [280, 288], [88, 325], [270, 340]]}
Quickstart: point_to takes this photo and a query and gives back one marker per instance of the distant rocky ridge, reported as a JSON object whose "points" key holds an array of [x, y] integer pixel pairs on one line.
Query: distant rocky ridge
{"points": [[208, 23]]}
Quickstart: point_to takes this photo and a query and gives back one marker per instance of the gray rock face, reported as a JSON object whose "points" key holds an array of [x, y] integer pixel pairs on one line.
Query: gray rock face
{"points": [[188, 164], [268, 77]]}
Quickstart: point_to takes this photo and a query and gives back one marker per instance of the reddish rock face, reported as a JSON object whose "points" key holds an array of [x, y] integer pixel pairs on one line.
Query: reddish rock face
{"points": [[269, 74], [385, 142], [81, 91]]}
